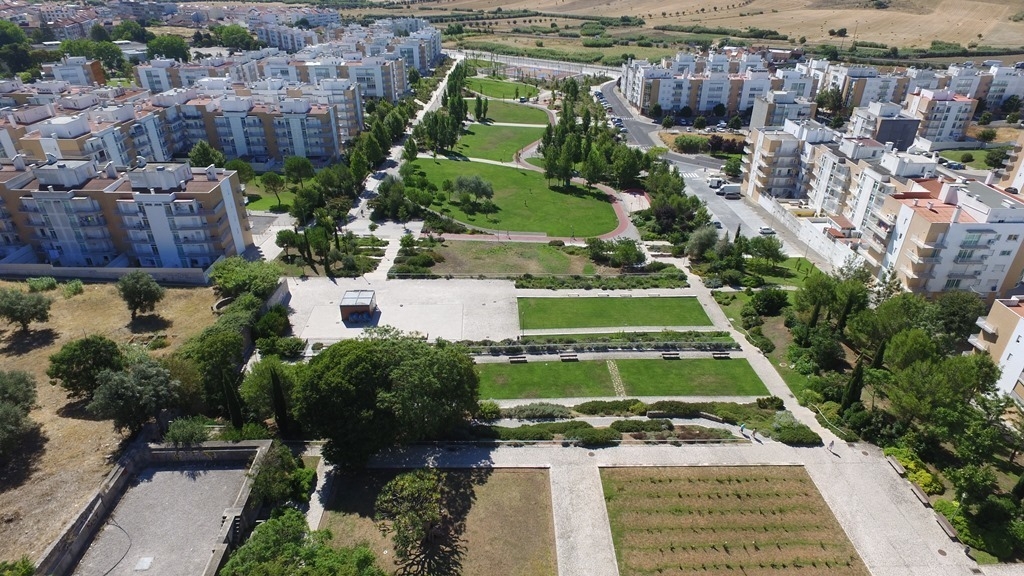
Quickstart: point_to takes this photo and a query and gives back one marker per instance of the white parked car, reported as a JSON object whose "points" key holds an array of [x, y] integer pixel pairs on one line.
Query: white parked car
{"points": [[766, 230]]}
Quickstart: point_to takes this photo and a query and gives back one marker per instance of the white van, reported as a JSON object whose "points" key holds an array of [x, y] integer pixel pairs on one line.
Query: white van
{"points": [[730, 191], [715, 181]]}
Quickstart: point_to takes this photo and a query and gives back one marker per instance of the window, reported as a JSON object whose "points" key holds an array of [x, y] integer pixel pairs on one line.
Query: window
{"points": [[1013, 236], [952, 284], [1004, 252]]}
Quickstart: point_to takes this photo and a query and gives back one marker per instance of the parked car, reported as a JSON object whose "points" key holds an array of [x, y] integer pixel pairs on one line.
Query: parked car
{"points": [[716, 224], [955, 165], [766, 230]]}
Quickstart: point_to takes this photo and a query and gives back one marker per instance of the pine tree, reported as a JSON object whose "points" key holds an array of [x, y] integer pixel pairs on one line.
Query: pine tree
{"points": [[855, 386]]}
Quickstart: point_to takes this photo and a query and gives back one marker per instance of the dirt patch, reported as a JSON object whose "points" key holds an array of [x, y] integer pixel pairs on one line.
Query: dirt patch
{"points": [[513, 258], [509, 527], [1003, 133], [746, 520], [58, 469]]}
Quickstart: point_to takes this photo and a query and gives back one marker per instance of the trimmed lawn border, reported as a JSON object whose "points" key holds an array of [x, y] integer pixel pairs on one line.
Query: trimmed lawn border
{"points": [[549, 313], [690, 377], [554, 379]]}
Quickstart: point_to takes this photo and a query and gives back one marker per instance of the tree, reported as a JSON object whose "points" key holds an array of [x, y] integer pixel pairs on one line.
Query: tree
{"points": [[273, 183], [243, 168], [767, 250], [1011, 105], [287, 239], [98, 33], [235, 37], [973, 483], [987, 135], [257, 389], [818, 292], [769, 301], [967, 157], [168, 46], [79, 363], [985, 119], [733, 167], [627, 254], [718, 110], [474, 185], [131, 30], [11, 33], [668, 122], [700, 122], [735, 123], [203, 155], [909, 347], [131, 397], [656, 110], [686, 112], [139, 291], [235, 276], [297, 169], [385, 388], [284, 544], [411, 509], [956, 313], [855, 386], [359, 166], [23, 308], [995, 158], [410, 151], [701, 240], [593, 168], [17, 388]]}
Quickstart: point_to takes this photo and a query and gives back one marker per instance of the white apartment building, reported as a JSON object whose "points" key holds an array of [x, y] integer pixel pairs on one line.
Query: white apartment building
{"points": [[776, 161], [774, 108], [944, 117], [285, 37]]}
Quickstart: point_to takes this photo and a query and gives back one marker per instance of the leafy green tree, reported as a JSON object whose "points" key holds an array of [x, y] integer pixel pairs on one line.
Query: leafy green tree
{"points": [[830, 99], [410, 151], [987, 135], [23, 308], [769, 301], [701, 240], [257, 387], [284, 544], [169, 46], [359, 165], [272, 483], [203, 155], [11, 33], [668, 122], [235, 276], [235, 37], [297, 169], [973, 483], [133, 396], [77, 366], [767, 250], [139, 291], [1011, 104], [818, 292], [17, 388], [656, 110], [593, 168], [995, 158], [909, 347], [243, 168], [735, 123], [386, 388], [955, 313], [686, 112], [411, 509], [985, 119], [733, 167], [98, 33], [855, 386], [625, 167], [700, 123], [273, 183], [718, 110], [22, 567]]}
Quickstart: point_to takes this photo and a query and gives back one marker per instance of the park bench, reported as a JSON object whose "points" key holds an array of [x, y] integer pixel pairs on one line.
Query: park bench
{"points": [[517, 359], [569, 357], [670, 355], [896, 466], [946, 527], [920, 495], [720, 355]]}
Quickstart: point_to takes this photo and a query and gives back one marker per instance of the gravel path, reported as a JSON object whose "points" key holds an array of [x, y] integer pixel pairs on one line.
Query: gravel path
{"points": [[613, 371]]}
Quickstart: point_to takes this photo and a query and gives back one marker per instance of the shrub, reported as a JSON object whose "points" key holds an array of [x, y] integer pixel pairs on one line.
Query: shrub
{"points": [[488, 410], [677, 409], [757, 338], [917, 472], [967, 157], [808, 397], [303, 483], [273, 323], [248, 431], [72, 288], [523, 433], [187, 431], [23, 567], [42, 284], [655, 425], [556, 243], [769, 301], [537, 411], [770, 403], [593, 436], [291, 347], [611, 407], [797, 436]]}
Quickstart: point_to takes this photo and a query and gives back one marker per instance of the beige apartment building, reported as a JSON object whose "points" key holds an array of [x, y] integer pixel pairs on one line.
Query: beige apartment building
{"points": [[73, 213], [944, 116], [1002, 336], [775, 161]]}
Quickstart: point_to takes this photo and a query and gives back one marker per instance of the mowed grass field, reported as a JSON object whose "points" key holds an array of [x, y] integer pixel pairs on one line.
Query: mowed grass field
{"points": [[544, 313], [496, 142], [545, 380], [690, 377], [525, 201], [749, 521], [509, 528], [494, 88], [498, 111], [513, 258], [49, 477]]}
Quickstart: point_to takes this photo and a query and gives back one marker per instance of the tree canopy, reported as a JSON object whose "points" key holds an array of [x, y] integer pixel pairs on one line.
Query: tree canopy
{"points": [[168, 46], [23, 308], [139, 291], [78, 364], [133, 396], [203, 154]]}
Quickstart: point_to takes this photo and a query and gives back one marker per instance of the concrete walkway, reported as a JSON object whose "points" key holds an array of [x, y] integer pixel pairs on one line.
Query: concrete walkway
{"points": [[390, 253], [583, 536]]}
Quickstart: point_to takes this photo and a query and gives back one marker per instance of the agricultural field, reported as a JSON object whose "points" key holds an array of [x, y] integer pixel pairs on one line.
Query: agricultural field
{"points": [[498, 111], [688, 377], [750, 521], [57, 471], [526, 203], [508, 523], [494, 88], [545, 380], [513, 258], [544, 313], [496, 142]]}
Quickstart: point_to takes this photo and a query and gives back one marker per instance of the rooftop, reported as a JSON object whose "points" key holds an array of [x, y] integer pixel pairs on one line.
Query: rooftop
{"points": [[357, 298], [938, 212], [992, 197]]}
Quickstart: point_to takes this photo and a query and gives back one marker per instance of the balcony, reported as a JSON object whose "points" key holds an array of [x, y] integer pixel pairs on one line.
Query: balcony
{"points": [[889, 219], [977, 245], [982, 323], [928, 244], [918, 259], [964, 275], [911, 273], [978, 343], [969, 261]]}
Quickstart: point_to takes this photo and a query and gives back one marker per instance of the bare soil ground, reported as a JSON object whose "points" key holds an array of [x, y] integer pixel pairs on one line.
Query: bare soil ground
{"points": [[509, 527], [1003, 133], [497, 258], [747, 520], [57, 471], [905, 23]]}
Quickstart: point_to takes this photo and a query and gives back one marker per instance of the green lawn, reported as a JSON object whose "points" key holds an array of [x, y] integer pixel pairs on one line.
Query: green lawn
{"points": [[545, 380], [978, 163], [498, 111], [542, 313], [493, 88], [496, 142], [791, 272], [259, 199], [691, 377], [525, 202]]}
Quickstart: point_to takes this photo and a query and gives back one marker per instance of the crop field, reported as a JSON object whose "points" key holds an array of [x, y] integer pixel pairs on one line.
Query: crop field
{"points": [[750, 521]]}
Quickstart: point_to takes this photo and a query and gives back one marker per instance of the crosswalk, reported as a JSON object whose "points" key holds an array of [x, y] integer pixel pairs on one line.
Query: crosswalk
{"points": [[690, 174]]}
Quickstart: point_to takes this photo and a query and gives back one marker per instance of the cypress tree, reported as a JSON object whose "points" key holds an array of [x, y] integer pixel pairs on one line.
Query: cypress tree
{"points": [[854, 387]]}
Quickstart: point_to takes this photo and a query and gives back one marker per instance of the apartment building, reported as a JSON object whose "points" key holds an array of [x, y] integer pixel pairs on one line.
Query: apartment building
{"points": [[777, 106], [1002, 336], [71, 213], [1012, 175], [950, 235], [286, 37], [992, 84], [77, 71], [775, 161], [861, 85], [885, 122], [163, 74], [944, 115]]}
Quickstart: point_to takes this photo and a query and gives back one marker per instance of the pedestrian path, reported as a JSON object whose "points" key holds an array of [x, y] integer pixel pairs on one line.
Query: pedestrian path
{"points": [[690, 174], [583, 537]]}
